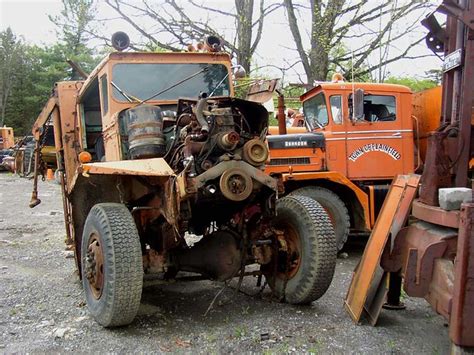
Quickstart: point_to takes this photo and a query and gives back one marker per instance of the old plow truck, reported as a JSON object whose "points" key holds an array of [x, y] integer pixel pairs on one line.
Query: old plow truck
{"points": [[350, 142], [153, 148]]}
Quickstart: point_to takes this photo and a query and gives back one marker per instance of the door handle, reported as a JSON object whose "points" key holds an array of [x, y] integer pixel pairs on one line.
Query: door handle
{"points": [[398, 134]]}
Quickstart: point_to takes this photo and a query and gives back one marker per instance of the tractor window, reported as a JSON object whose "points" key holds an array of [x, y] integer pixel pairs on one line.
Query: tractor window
{"points": [[336, 108], [104, 92], [91, 119], [379, 108], [143, 80], [315, 111]]}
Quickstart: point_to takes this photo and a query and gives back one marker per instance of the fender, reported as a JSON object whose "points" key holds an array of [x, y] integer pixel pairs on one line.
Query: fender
{"points": [[339, 179]]}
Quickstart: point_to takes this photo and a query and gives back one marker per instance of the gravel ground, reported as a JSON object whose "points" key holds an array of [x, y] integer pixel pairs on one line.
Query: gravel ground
{"points": [[42, 307]]}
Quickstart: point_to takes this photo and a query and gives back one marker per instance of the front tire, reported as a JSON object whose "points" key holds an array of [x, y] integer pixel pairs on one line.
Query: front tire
{"points": [[334, 206], [112, 269], [303, 272]]}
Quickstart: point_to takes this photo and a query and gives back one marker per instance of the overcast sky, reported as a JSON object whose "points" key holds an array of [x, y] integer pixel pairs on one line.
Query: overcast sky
{"points": [[29, 18]]}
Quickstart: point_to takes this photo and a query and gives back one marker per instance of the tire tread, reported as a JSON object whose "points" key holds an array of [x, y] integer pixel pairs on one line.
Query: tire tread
{"points": [[123, 253], [323, 253]]}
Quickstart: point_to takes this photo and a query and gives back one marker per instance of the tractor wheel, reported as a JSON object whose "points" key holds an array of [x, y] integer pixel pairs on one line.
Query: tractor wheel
{"points": [[112, 269], [304, 267], [336, 209]]}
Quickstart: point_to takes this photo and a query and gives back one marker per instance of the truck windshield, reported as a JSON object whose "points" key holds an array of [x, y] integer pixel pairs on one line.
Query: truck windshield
{"points": [[315, 111], [142, 80]]}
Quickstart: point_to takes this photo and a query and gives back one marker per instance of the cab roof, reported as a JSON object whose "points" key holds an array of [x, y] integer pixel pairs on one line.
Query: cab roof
{"points": [[347, 86]]}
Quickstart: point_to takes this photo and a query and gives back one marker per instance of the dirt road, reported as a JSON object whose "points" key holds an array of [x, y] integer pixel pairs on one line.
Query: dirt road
{"points": [[42, 306]]}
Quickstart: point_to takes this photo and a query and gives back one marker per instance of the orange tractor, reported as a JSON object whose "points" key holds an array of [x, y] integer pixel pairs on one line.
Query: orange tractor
{"points": [[7, 140], [355, 139], [153, 148]]}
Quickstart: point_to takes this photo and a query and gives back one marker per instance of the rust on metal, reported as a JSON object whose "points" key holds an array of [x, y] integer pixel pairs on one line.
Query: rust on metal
{"points": [[281, 114], [435, 215], [416, 247], [392, 216], [436, 173], [461, 328], [146, 167], [261, 90], [94, 266], [440, 294]]}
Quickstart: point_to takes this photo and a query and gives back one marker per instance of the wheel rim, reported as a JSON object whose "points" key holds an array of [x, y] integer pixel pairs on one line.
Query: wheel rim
{"points": [[289, 260], [94, 266]]}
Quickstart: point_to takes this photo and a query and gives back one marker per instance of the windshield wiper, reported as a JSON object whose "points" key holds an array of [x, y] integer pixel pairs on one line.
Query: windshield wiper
{"points": [[218, 85], [176, 84], [130, 98], [319, 124]]}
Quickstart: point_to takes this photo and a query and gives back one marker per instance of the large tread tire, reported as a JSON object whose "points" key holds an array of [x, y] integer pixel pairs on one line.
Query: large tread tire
{"points": [[334, 206], [122, 264], [318, 250]]}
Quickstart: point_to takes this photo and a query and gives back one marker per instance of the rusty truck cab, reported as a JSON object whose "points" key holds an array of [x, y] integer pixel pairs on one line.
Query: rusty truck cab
{"points": [[91, 111], [124, 80]]}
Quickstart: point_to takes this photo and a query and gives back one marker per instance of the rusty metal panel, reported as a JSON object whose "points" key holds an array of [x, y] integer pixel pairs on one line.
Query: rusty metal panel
{"points": [[436, 173], [67, 92], [261, 90], [440, 293], [461, 328], [417, 247], [435, 215], [392, 216], [143, 167], [44, 116]]}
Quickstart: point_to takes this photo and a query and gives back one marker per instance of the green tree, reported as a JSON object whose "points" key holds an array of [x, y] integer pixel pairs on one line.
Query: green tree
{"points": [[40, 68], [73, 29], [413, 83], [11, 64]]}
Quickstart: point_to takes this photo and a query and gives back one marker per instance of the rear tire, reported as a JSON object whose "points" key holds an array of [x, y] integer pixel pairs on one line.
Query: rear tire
{"points": [[334, 206], [112, 268], [305, 272]]}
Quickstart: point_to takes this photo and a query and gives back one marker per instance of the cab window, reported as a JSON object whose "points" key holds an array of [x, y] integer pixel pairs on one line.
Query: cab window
{"points": [[336, 108], [315, 111], [379, 108], [105, 97]]}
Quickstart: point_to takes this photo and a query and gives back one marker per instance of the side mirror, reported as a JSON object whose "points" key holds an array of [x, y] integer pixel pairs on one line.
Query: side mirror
{"points": [[358, 104]]}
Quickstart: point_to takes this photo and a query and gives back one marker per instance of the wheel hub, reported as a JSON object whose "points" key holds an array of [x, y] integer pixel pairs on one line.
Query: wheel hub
{"points": [[94, 266], [289, 259]]}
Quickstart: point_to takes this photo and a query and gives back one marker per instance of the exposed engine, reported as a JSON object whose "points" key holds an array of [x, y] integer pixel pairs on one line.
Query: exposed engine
{"points": [[204, 134], [211, 131], [217, 148]]}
